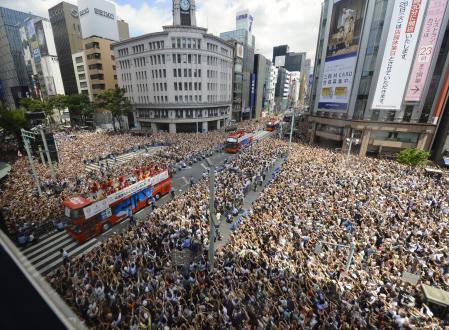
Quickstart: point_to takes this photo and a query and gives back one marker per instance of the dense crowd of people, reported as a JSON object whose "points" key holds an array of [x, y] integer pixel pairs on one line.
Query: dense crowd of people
{"points": [[24, 210], [271, 274], [131, 280]]}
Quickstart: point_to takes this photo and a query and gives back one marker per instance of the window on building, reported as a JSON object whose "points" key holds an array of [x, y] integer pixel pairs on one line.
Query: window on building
{"points": [[97, 76], [96, 66], [175, 73], [80, 68], [95, 45], [98, 86], [79, 59]]}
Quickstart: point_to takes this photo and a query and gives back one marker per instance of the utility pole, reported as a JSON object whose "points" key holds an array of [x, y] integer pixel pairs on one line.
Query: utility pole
{"points": [[350, 142], [350, 256], [212, 216], [291, 133], [41, 153], [47, 152], [351, 251], [26, 136]]}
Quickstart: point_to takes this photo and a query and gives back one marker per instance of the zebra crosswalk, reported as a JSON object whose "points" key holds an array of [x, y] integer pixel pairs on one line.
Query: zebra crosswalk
{"points": [[45, 255], [122, 158]]}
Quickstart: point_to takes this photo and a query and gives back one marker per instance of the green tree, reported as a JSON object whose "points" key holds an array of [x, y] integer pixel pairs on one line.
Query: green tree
{"points": [[80, 108], [36, 105], [12, 121], [413, 157], [58, 102], [115, 101]]}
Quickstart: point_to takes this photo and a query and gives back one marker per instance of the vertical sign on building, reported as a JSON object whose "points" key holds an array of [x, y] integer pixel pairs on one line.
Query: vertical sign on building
{"points": [[425, 51], [341, 56], [253, 91], [398, 56]]}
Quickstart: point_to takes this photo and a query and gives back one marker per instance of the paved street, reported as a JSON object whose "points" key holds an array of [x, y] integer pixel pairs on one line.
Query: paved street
{"points": [[45, 255], [124, 158]]}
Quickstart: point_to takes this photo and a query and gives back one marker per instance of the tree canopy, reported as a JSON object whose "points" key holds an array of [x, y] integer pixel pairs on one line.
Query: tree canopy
{"points": [[115, 101], [12, 121], [413, 157]]}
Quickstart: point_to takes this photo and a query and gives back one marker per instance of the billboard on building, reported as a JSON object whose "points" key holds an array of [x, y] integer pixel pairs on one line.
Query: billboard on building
{"points": [[279, 61], [239, 50], [341, 56], [40, 34], [425, 51], [398, 55], [98, 18]]}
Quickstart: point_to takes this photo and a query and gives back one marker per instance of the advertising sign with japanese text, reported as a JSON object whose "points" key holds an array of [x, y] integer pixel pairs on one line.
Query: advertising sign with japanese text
{"points": [[399, 51], [425, 51], [341, 57]]}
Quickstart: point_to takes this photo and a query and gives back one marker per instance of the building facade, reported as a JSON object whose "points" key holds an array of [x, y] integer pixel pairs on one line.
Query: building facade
{"points": [[41, 58], [64, 18], [272, 89], [95, 67], [180, 79], [14, 74], [262, 70], [282, 90], [372, 82], [123, 30], [244, 45]]}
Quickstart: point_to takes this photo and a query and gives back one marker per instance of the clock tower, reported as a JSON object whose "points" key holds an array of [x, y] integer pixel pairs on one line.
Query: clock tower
{"points": [[184, 13]]}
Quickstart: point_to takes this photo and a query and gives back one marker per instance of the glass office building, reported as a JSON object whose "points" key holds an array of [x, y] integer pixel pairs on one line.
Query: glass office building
{"points": [[14, 79]]}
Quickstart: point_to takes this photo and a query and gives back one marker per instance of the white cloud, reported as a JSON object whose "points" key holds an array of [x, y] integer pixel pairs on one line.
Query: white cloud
{"points": [[276, 22]]}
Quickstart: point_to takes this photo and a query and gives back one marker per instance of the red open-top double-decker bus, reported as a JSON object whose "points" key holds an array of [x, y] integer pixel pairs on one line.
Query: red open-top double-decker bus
{"points": [[272, 125], [238, 140], [87, 219]]}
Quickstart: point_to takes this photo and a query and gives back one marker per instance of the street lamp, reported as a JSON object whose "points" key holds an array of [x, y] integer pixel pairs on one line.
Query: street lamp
{"points": [[291, 132], [350, 141]]}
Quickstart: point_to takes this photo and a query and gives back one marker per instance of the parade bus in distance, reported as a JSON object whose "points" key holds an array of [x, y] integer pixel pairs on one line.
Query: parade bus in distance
{"points": [[272, 125], [86, 219], [237, 141]]}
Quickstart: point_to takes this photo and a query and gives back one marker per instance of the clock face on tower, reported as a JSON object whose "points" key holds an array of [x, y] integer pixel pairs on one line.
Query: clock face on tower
{"points": [[185, 5]]}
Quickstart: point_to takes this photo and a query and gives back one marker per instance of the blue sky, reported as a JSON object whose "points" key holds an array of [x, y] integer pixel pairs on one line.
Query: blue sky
{"points": [[276, 22]]}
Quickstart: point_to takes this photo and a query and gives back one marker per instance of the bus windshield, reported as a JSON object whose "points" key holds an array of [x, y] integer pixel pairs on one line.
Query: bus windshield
{"points": [[72, 214]]}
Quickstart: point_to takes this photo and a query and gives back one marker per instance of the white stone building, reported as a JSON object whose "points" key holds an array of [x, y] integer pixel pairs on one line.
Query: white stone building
{"points": [[180, 79]]}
